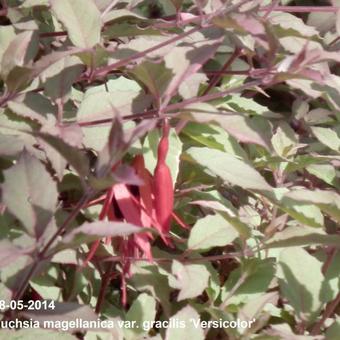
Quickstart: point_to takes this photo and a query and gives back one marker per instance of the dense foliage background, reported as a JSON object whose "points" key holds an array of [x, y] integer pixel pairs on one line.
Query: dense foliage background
{"points": [[251, 90]]}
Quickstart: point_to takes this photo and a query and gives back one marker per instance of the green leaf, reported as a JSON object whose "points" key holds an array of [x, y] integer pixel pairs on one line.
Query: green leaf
{"points": [[59, 77], [30, 194], [185, 317], [215, 201], [248, 105], [211, 231], [214, 137], [248, 281], [7, 34], [20, 52], [305, 213], [155, 76], [17, 60], [97, 105], [89, 232], [331, 286], [301, 236], [188, 58], [291, 25], [183, 277], [301, 281], [10, 145], [229, 168], [332, 333], [326, 172], [33, 106], [74, 156], [142, 312], [146, 277], [284, 141], [82, 20], [327, 137], [255, 130], [254, 307], [328, 201], [10, 253]]}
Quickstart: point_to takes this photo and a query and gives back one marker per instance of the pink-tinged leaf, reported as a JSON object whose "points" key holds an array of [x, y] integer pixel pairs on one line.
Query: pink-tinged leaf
{"points": [[127, 175], [20, 52], [75, 157], [81, 19], [48, 60], [255, 130], [33, 106], [70, 134], [186, 61], [89, 232], [10, 253], [244, 23], [59, 78], [188, 16], [154, 75], [30, 194], [312, 75]]}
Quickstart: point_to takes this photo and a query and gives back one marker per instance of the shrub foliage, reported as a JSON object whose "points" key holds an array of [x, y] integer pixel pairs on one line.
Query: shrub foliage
{"points": [[171, 161]]}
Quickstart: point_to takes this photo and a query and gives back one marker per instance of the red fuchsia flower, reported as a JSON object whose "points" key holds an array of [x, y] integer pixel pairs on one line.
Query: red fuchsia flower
{"points": [[152, 207]]}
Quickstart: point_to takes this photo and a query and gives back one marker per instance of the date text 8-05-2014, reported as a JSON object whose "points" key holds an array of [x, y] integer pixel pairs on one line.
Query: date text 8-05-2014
{"points": [[27, 305]]}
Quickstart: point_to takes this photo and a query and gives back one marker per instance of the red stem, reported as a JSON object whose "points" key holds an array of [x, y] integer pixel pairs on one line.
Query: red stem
{"points": [[178, 106], [330, 308], [52, 34], [104, 70], [177, 258], [246, 72], [107, 277], [216, 78], [302, 9]]}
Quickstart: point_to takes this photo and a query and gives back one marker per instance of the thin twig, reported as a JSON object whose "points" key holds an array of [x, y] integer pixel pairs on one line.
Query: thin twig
{"points": [[179, 258], [245, 72], [303, 9], [271, 7], [331, 254], [42, 254], [212, 96], [68, 220], [178, 106], [104, 70], [108, 8], [105, 282], [330, 308], [238, 284], [216, 78], [334, 41], [52, 34]]}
